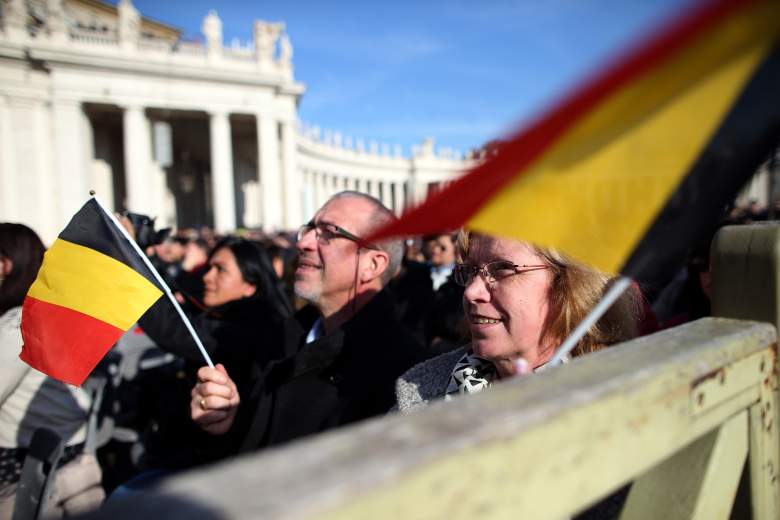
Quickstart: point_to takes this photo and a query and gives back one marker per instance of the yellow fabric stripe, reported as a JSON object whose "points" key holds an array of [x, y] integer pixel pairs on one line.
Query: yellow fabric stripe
{"points": [[595, 193], [90, 282]]}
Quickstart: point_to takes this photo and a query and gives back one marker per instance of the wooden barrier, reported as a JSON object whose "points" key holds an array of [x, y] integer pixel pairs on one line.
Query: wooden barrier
{"points": [[680, 414], [677, 411]]}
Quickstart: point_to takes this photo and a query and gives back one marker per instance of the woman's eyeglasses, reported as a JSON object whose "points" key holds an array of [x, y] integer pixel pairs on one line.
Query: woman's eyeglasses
{"points": [[491, 272], [325, 232]]}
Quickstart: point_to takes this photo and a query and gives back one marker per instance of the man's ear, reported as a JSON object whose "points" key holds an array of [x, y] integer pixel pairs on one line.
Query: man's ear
{"points": [[378, 263]]}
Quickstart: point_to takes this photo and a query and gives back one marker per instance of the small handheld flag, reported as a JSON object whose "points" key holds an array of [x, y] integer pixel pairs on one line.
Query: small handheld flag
{"points": [[94, 284]]}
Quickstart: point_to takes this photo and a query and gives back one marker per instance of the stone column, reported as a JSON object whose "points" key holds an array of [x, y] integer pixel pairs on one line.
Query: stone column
{"points": [[409, 186], [9, 211], [308, 197], [269, 172], [138, 156], [314, 179], [334, 185], [374, 188], [323, 189], [224, 201], [387, 198], [71, 165], [293, 214], [398, 197], [46, 168]]}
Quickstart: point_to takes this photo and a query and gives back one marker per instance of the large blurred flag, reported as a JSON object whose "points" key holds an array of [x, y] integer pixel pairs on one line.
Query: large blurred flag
{"points": [[90, 290], [633, 166]]}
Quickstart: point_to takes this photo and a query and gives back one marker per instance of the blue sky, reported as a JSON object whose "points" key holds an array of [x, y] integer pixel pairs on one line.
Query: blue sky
{"points": [[461, 72]]}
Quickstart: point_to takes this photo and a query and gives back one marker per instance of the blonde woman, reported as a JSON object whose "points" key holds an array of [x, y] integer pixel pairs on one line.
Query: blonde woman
{"points": [[520, 303]]}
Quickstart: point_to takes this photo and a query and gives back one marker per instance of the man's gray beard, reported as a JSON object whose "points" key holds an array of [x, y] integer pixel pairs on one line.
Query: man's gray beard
{"points": [[312, 296]]}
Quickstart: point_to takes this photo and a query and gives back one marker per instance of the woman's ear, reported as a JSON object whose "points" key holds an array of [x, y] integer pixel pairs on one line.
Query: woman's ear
{"points": [[378, 263], [249, 290], [6, 266]]}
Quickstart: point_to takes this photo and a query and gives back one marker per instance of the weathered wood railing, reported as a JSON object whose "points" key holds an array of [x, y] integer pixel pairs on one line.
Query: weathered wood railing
{"points": [[679, 413]]}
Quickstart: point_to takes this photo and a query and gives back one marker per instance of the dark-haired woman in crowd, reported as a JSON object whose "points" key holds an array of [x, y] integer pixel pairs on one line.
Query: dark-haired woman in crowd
{"points": [[244, 302], [240, 328], [30, 400]]}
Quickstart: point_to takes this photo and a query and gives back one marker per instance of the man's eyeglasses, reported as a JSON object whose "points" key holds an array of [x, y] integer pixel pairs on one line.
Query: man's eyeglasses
{"points": [[491, 272], [325, 232]]}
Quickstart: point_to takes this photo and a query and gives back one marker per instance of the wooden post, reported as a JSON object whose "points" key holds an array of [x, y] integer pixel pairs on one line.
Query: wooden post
{"points": [[745, 264]]}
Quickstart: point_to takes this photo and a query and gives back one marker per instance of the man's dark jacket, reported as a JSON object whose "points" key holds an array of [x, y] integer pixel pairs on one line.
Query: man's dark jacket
{"points": [[338, 379]]}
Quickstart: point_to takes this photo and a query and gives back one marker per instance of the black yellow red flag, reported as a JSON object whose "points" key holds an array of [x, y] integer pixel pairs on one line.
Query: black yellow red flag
{"points": [[635, 164], [91, 288]]}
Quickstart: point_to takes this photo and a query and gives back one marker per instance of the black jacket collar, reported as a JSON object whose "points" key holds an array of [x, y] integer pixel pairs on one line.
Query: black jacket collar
{"points": [[324, 350]]}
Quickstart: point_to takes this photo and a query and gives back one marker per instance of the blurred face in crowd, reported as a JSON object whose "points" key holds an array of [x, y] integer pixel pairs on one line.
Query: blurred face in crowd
{"points": [[194, 254], [440, 250], [5, 267], [328, 265], [506, 313], [169, 251], [223, 281]]}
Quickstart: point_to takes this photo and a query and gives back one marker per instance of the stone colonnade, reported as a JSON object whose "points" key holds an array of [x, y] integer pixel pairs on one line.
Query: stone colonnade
{"points": [[323, 185], [329, 165], [277, 176]]}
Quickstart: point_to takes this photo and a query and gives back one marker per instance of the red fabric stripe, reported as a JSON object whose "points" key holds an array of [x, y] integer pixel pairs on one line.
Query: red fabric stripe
{"points": [[63, 343], [453, 206]]}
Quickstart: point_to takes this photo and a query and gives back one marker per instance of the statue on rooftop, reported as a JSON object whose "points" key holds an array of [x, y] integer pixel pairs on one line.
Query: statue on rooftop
{"points": [[14, 15], [266, 34], [129, 28], [285, 52], [212, 30], [55, 20]]}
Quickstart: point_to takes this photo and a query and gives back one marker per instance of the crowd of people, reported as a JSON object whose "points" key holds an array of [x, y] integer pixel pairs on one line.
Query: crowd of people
{"points": [[308, 333]]}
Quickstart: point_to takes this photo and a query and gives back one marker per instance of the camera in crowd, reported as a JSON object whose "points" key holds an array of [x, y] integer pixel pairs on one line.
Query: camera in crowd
{"points": [[145, 234]]}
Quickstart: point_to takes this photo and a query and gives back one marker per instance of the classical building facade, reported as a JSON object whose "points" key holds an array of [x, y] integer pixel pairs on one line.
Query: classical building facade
{"points": [[96, 96]]}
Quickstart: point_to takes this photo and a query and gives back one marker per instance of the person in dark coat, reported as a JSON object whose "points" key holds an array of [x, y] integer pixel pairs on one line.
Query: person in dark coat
{"points": [[241, 328], [243, 301], [345, 350]]}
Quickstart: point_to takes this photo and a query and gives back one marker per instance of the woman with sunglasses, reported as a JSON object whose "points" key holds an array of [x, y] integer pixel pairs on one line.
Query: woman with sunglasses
{"points": [[520, 302]]}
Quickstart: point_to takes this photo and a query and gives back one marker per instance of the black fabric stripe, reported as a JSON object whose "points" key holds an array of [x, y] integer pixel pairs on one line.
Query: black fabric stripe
{"points": [[92, 228], [746, 138]]}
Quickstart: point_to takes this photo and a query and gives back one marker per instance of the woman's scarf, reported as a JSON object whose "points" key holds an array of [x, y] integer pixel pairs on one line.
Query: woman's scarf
{"points": [[471, 374]]}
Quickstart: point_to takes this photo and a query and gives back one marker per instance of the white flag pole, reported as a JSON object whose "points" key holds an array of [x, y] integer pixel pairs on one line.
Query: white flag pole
{"points": [[158, 278], [614, 292]]}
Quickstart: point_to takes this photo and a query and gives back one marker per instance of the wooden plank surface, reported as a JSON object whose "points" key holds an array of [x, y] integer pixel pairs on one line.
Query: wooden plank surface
{"points": [[538, 447], [697, 483]]}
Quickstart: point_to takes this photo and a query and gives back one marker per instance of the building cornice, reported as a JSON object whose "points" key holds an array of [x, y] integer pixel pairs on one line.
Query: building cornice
{"points": [[149, 64]]}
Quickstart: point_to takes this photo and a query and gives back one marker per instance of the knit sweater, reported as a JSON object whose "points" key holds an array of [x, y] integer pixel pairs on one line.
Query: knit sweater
{"points": [[30, 399], [426, 381]]}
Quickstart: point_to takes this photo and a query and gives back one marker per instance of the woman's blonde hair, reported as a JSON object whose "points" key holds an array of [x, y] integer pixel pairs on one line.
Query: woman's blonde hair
{"points": [[575, 289]]}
